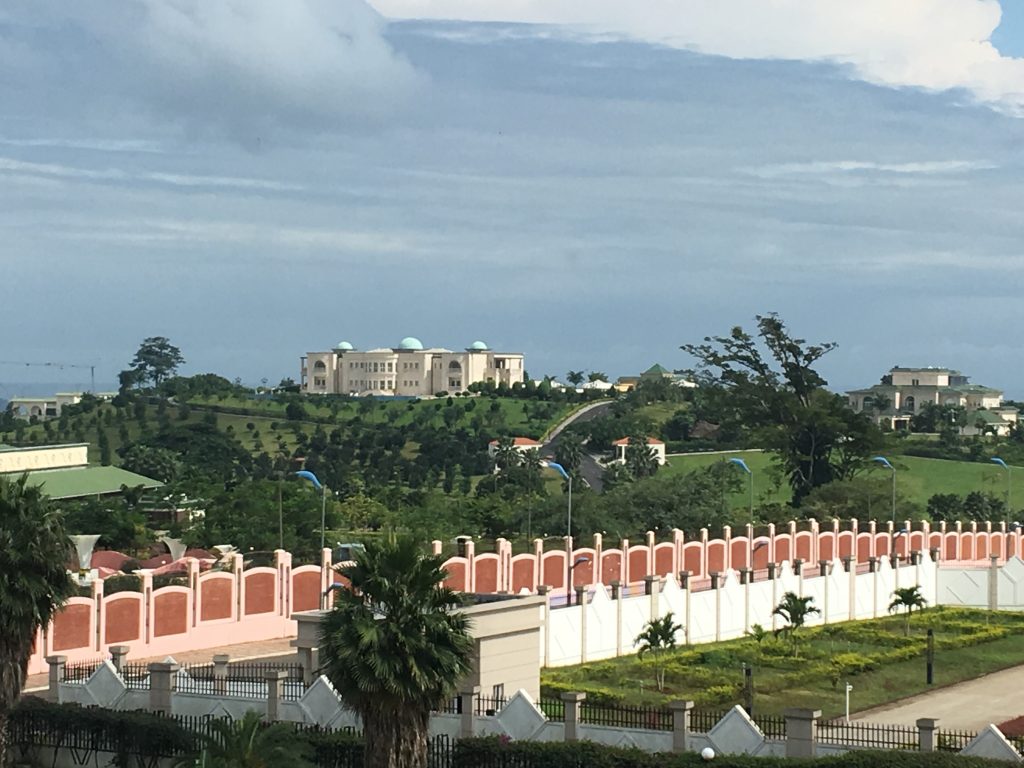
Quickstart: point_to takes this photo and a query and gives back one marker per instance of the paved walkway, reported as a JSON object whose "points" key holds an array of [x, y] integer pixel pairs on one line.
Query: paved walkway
{"points": [[277, 649], [970, 705]]}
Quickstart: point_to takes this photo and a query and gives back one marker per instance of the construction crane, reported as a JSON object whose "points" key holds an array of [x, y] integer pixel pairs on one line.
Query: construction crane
{"points": [[58, 366]]}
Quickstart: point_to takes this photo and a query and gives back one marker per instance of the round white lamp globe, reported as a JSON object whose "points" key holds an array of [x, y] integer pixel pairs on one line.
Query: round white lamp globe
{"points": [[707, 753]]}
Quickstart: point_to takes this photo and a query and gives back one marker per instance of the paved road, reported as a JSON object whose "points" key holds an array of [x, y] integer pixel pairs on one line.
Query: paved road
{"points": [[970, 705], [589, 468]]}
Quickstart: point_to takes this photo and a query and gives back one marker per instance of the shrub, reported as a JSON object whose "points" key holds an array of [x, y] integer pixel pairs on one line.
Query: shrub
{"points": [[124, 583]]}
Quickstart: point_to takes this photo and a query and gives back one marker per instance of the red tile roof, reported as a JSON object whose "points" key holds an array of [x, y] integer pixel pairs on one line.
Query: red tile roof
{"points": [[520, 441], [650, 441]]}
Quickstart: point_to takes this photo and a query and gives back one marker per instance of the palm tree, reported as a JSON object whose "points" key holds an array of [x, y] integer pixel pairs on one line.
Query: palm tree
{"points": [[794, 610], [908, 598], [657, 639], [569, 452], [574, 377], [34, 582], [250, 743], [394, 648], [640, 458], [506, 455]]}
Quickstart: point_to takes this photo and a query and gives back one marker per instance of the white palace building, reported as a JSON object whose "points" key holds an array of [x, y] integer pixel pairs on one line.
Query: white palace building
{"points": [[408, 370]]}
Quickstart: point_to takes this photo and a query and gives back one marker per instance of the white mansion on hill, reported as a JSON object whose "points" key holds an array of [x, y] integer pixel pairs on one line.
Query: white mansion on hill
{"points": [[406, 370], [903, 392]]}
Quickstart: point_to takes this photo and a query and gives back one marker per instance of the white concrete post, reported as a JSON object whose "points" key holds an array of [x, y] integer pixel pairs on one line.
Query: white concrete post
{"points": [[680, 725], [275, 682], [801, 732], [467, 712], [926, 728], [162, 682], [57, 664], [118, 654], [572, 702], [993, 583], [220, 673]]}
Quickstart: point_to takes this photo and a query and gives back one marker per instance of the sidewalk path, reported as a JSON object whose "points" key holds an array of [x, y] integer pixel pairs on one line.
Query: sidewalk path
{"points": [[970, 705], [279, 650]]}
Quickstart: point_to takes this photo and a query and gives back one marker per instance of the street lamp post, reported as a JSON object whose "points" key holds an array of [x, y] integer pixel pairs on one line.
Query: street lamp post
{"points": [[1004, 465], [579, 561], [307, 475], [750, 476], [892, 541], [568, 525]]}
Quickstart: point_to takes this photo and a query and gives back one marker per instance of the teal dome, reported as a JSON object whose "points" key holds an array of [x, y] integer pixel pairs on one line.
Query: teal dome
{"points": [[410, 342], [344, 346], [478, 346]]}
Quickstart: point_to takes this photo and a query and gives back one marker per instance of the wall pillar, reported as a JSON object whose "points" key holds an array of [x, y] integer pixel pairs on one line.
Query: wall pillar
{"points": [[57, 665], [467, 711], [993, 583], [851, 574], [680, 725], [617, 597], [543, 590], [118, 654], [926, 736], [652, 587], [684, 582], [162, 682], [572, 701], [823, 571], [581, 601], [275, 684], [716, 585], [801, 732]]}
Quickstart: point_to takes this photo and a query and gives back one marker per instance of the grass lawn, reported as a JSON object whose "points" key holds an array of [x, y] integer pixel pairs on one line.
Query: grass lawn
{"points": [[874, 656], [917, 479]]}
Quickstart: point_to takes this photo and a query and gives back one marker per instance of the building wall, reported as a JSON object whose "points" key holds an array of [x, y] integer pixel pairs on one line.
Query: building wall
{"points": [[44, 457], [408, 373]]}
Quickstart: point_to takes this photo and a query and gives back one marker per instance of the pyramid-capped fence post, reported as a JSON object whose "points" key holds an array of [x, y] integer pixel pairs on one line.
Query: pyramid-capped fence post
{"points": [[926, 728], [162, 683], [57, 665], [680, 725], [572, 701], [467, 711], [801, 731]]}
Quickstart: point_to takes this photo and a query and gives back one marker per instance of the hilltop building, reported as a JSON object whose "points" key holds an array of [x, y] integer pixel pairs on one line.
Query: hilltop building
{"points": [[49, 407], [904, 392], [408, 370], [656, 371]]}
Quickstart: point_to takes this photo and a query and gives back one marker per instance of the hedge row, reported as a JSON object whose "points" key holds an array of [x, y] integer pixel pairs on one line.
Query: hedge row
{"points": [[494, 752]]}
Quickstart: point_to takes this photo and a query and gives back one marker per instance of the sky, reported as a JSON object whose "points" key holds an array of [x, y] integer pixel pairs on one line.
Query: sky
{"points": [[590, 182]]}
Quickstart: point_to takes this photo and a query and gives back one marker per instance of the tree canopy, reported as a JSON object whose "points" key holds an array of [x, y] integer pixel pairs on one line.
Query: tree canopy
{"points": [[155, 360], [782, 400]]}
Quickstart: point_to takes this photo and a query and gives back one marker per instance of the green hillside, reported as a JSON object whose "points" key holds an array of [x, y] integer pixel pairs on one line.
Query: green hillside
{"points": [[917, 479]]}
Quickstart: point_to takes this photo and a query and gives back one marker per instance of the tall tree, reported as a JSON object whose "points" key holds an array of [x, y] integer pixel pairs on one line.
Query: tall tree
{"points": [[814, 436], [155, 360], [395, 648], [506, 454], [33, 582], [574, 377]]}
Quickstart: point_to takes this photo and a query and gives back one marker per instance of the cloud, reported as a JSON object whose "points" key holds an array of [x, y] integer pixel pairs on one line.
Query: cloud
{"points": [[933, 44], [925, 168], [73, 173], [248, 65]]}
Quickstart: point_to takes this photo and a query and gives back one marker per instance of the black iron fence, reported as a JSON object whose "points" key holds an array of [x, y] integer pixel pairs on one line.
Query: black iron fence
{"points": [[954, 741], [81, 671], [703, 720], [648, 718], [868, 735]]}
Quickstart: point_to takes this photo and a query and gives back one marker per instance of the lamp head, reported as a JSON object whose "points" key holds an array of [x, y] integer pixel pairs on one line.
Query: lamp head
{"points": [[884, 462]]}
